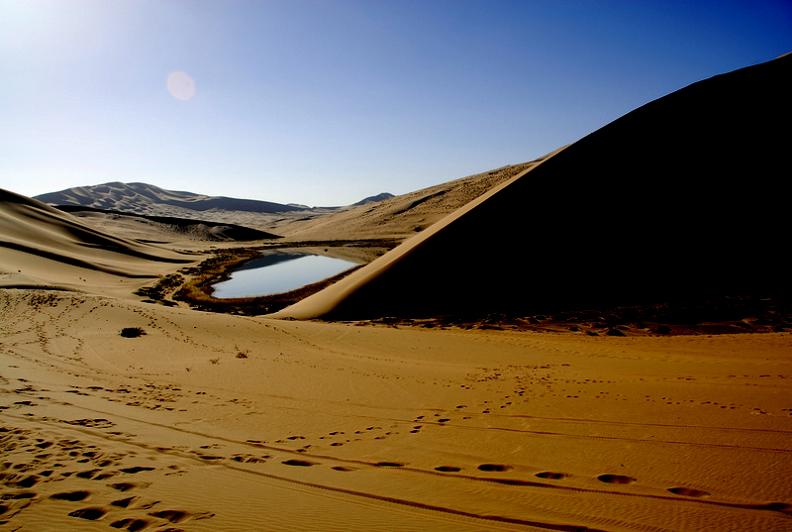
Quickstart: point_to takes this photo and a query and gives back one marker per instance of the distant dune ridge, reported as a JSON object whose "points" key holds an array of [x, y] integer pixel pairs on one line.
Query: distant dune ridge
{"points": [[142, 198], [678, 198], [375, 198]]}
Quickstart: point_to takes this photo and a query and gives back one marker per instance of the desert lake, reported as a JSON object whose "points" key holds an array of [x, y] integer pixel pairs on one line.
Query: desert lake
{"points": [[279, 272]]}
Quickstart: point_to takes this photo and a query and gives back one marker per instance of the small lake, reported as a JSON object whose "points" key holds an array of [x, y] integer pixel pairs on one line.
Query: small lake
{"points": [[278, 273]]}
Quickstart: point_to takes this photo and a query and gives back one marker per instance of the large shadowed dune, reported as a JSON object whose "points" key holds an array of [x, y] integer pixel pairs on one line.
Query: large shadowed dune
{"points": [[680, 198]]}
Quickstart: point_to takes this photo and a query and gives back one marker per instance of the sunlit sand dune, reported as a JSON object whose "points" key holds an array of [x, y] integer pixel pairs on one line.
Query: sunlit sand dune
{"points": [[42, 246]]}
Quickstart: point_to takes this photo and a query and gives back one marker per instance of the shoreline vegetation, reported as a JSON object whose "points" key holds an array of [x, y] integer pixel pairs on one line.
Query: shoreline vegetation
{"points": [[193, 285]]}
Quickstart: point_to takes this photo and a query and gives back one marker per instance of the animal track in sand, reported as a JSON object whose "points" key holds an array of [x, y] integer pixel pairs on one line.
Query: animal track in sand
{"points": [[615, 479], [689, 492], [494, 467]]}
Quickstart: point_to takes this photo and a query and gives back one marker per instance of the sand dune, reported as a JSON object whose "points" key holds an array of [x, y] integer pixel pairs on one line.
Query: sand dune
{"points": [[166, 226], [674, 200], [374, 199], [399, 217], [42, 246], [143, 198]]}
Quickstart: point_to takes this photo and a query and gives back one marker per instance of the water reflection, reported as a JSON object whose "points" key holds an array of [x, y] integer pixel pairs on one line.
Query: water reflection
{"points": [[277, 273]]}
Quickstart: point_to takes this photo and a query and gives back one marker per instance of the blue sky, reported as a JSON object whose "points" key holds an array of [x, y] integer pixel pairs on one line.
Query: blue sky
{"points": [[325, 102]]}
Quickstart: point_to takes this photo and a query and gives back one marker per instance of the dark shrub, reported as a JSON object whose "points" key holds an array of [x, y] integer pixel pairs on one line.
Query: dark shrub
{"points": [[132, 332]]}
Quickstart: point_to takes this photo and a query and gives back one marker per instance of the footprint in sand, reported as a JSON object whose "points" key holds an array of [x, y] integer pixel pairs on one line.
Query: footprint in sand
{"points": [[73, 496], [689, 492], [27, 482], [615, 479], [131, 524], [92, 514], [782, 507], [179, 516], [125, 502], [552, 475], [126, 486], [388, 464], [299, 463], [494, 467], [91, 473], [136, 469]]}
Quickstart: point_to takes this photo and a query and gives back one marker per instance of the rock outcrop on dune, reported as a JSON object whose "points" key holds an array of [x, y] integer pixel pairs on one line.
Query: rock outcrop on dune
{"points": [[44, 239], [680, 198], [142, 198]]}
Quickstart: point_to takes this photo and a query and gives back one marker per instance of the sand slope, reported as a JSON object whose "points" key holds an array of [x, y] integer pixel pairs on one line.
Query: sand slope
{"points": [[399, 217], [675, 199], [167, 228], [42, 246]]}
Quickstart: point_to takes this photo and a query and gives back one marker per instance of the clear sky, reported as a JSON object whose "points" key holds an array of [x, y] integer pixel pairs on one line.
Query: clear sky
{"points": [[324, 102]]}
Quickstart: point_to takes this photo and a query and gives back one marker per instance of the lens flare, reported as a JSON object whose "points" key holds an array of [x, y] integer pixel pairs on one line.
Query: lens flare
{"points": [[180, 85]]}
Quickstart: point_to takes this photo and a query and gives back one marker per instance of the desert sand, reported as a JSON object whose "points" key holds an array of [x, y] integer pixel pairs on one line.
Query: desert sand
{"points": [[219, 422], [118, 413]]}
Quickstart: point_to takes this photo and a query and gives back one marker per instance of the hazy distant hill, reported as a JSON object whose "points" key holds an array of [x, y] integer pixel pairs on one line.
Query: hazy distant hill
{"points": [[372, 199], [142, 198]]}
